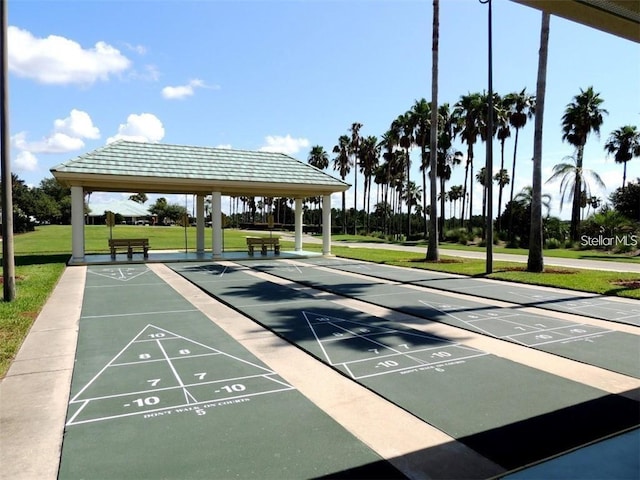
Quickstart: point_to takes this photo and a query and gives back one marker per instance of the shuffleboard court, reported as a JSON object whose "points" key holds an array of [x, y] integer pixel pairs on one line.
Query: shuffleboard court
{"points": [[595, 306], [159, 391], [491, 404], [598, 346]]}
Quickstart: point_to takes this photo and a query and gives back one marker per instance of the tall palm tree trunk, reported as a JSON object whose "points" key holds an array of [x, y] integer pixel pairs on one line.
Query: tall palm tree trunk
{"points": [[535, 262], [577, 194], [513, 177]]}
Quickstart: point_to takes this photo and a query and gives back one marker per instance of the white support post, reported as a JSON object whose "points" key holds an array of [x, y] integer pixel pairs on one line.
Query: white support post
{"points": [[216, 224], [298, 225], [77, 224], [326, 224], [199, 223]]}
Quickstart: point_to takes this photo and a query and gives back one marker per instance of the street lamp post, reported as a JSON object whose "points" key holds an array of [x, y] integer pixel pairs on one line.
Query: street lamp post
{"points": [[489, 161]]}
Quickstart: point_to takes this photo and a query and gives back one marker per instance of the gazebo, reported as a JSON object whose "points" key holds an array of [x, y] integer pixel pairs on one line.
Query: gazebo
{"points": [[126, 166]]}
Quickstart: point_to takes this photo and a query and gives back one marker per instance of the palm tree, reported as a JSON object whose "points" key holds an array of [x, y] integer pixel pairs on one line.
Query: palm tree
{"points": [[522, 107], [318, 158], [571, 175], [581, 117], [369, 159], [343, 164], [502, 179], [624, 144], [404, 125], [467, 118], [420, 118], [503, 132], [535, 259], [483, 179], [526, 196], [412, 196], [432, 247], [354, 149], [389, 142], [455, 193]]}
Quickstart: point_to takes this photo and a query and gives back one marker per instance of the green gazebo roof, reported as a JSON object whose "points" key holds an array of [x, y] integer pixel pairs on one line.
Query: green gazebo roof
{"points": [[127, 166]]}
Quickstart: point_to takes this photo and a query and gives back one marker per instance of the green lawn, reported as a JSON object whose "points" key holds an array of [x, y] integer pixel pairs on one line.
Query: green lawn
{"points": [[41, 257]]}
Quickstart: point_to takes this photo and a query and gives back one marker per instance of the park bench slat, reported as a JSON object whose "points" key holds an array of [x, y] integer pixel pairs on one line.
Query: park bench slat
{"points": [[129, 244]]}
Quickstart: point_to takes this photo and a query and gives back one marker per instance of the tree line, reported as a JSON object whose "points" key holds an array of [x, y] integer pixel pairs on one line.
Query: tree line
{"points": [[400, 206]]}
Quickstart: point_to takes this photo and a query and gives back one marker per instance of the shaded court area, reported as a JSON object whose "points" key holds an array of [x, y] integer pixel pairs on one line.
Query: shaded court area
{"points": [[492, 405], [159, 391]]}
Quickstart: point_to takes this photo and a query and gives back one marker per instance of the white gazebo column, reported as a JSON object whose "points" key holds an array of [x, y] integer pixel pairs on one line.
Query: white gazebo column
{"points": [[77, 224], [298, 225], [216, 223], [326, 224], [199, 223]]}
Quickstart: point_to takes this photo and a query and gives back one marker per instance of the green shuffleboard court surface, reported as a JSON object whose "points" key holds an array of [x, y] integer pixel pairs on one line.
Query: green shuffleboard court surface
{"points": [[595, 306], [599, 346], [493, 405], [159, 391]]}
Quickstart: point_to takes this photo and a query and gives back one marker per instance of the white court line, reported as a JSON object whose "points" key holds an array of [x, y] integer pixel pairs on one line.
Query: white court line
{"points": [[163, 312], [217, 351], [123, 285], [459, 319], [224, 399], [482, 354], [73, 417], [407, 354], [562, 340], [174, 387], [317, 339], [187, 395], [533, 328], [123, 277]]}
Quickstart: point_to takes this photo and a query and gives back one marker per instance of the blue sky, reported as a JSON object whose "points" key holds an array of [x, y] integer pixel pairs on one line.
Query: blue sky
{"points": [[287, 75]]}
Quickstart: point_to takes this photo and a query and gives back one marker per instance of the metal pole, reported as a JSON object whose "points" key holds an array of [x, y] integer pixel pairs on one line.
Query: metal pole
{"points": [[8, 262], [489, 161]]}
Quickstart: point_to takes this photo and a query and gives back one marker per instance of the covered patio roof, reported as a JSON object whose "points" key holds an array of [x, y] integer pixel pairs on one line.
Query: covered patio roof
{"points": [[126, 166], [617, 17]]}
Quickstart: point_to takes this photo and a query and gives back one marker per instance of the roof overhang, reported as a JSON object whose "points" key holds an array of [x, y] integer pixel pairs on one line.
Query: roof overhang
{"points": [[617, 17], [124, 183]]}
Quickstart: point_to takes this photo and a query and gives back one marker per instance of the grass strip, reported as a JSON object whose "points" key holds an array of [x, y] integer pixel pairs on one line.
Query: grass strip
{"points": [[35, 279], [593, 281]]}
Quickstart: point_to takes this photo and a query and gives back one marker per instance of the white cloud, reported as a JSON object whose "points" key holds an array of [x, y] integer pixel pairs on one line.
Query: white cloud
{"points": [[145, 127], [286, 145], [66, 136], [226, 146], [26, 162], [58, 60], [77, 124], [182, 91], [139, 49]]}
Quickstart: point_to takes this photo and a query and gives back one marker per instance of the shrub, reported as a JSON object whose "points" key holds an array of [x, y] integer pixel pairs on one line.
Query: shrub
{"points": [[552, 243]]}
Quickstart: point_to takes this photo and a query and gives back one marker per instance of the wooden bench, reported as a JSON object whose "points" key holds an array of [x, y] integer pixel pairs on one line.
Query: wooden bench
{"points": [[129, 244], [264, 243]]}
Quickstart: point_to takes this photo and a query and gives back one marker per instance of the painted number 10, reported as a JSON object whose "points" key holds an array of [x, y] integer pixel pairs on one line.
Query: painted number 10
{"points": [[148, 401]]}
